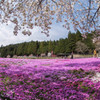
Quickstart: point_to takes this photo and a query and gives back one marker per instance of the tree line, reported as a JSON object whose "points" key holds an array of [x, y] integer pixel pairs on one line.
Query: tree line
{"points": [[74, 42]]}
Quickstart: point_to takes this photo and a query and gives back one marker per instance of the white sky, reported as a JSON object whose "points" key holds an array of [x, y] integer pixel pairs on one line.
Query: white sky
{"points": [[7, 37]]}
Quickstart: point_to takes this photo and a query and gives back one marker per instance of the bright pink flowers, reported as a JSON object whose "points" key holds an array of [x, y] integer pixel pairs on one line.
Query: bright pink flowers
{"points": [[49, 79]]}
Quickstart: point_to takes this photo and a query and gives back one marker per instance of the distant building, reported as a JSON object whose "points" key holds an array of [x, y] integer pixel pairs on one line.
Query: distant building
{"points": [[63, 54], [43, 55], [31, 55], [54, 55], [14, 56]]}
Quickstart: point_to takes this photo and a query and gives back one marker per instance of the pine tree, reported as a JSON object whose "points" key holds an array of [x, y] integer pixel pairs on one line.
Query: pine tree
{"points": [[71, 42], [78, 36]]}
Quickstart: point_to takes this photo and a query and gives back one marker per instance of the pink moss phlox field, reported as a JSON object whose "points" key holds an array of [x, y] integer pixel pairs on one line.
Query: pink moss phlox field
{"points": [[49, 79]]}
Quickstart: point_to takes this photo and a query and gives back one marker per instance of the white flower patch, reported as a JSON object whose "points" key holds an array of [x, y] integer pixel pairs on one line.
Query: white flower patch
{"points": [[96, 78]]}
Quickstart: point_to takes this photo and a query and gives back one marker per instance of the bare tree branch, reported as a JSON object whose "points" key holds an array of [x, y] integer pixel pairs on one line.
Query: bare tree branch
{"points": [[95, 14]]}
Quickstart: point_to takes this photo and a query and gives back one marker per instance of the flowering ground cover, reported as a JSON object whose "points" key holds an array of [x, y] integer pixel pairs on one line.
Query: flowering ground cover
{"points": [[49, 79]]}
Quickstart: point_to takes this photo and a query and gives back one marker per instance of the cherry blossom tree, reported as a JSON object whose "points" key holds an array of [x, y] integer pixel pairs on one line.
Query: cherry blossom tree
{"points": [[25, 14]]}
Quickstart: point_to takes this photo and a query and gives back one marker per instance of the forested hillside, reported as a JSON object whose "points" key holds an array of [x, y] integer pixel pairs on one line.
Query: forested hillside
{"points": [[74, 42]]}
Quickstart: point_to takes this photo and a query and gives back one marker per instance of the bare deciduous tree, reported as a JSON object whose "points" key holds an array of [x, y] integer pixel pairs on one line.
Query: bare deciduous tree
{"points": [[81, 47]]}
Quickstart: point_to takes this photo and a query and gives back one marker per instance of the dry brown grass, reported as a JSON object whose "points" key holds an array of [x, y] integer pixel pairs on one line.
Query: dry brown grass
{"points": [[80, 56]]}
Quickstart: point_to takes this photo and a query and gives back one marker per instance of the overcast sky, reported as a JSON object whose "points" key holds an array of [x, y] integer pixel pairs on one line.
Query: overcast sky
{"points": [[7, 37]]}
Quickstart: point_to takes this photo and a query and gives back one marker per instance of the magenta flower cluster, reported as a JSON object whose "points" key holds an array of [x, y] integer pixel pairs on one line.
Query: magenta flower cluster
{"points": [[49, 79]]}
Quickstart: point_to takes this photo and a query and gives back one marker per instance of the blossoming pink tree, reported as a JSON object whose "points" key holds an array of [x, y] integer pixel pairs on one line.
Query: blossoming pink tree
{"points": [[26, 14]]}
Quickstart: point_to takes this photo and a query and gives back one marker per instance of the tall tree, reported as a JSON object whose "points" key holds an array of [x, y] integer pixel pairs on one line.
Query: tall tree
{"points": [[62, 46], [43, 48], [19, 49], [81, 47], [89, 42], [71, 42], [66, 45], [30, 47], [78, 36], [50, 46]]}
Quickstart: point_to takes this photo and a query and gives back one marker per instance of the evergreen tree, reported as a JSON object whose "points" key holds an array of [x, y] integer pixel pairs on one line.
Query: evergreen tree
{"points": [[20, 49], [56, 51], [50, 46], [62, 46], [66, 45], [71, 42], [43, 47], [78, 36], [88, 41]]}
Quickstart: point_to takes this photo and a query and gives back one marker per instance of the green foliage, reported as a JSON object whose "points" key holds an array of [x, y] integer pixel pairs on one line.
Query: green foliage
{"points": [[89, 43], [66, 45], [60, 46], [78, 36], [71, 42]]}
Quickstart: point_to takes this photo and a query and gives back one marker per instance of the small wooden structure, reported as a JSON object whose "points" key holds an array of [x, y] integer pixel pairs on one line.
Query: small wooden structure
{"points": [[43, 55], [63, 54]]}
